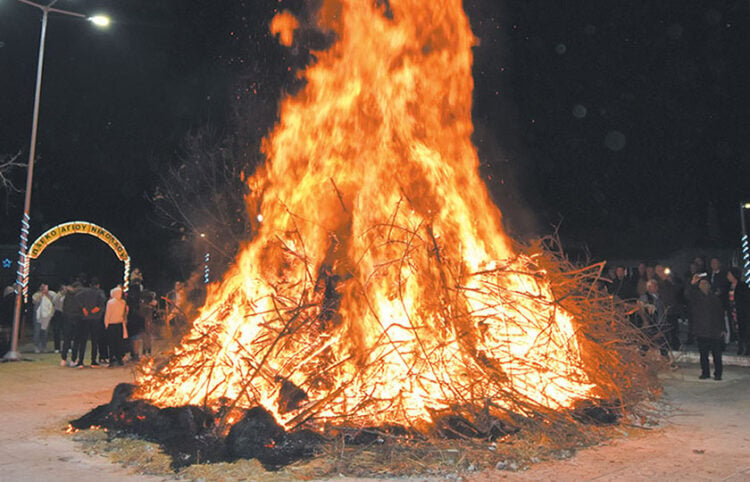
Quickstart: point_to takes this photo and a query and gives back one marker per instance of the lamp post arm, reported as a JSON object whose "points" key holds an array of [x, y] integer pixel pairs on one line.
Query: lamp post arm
{"points": [[67, 12], [49, 8], [38, 5]]}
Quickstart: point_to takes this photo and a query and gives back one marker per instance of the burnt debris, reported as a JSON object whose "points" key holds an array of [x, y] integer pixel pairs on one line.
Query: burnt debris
{"points": [[190, 434]]}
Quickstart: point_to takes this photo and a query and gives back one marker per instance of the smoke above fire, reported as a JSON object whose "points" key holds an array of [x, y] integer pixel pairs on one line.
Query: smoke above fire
{"points": [[380, 287]]}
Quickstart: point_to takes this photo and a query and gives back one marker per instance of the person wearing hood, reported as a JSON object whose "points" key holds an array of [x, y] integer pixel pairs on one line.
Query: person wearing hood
{"points": [[115, 323]]}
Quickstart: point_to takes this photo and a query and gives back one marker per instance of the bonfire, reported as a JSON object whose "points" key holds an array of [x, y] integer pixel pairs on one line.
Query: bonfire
{"points": [[380, 289]]}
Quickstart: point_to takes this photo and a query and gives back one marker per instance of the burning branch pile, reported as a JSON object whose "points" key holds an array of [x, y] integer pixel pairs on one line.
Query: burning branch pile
{"points": [[380, 289], [484, 404], [502, 342]]}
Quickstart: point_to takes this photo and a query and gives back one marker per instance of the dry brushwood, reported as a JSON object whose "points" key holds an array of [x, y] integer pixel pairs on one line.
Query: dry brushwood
{"points": [[300, 329]]}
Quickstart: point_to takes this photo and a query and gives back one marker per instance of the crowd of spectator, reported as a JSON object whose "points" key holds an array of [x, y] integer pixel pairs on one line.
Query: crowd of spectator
{"points": [[711, 303], [708, 306], [79, 316]]}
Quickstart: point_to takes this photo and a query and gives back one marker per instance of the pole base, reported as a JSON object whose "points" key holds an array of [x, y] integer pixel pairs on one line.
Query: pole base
{"points": [[12, 356]]}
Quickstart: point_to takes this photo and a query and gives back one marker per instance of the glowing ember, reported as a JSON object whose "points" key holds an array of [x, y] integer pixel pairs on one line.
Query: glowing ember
{"points": [[380, 287]]}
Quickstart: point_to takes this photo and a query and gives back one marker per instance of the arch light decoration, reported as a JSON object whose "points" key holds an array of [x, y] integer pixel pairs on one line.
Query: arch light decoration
{"points": [[76, 227]]}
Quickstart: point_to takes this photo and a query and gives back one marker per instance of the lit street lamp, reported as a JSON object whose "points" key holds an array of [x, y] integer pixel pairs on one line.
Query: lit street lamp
{"points": [[100, 21], [745, 243]]}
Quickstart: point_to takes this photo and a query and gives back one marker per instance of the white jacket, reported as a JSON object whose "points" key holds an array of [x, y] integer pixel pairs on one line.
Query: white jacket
{"points": [[45, 310]]}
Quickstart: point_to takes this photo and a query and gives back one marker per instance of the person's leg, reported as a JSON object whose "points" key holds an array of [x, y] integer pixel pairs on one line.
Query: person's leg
{"points": [[742, 339], [37, 330], [111, 342], [147, 333], [703, 347], [66, 339], [93, 334], [73, 326], [43, 340], [716, 354], [56, 325], [116, 347], [103, 341], [137, 348], [732, 327], [81, 340]]}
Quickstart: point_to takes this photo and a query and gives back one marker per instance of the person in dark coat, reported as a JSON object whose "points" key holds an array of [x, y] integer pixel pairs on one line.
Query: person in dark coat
{"points": [[670, 296], [623, 288], [654, 316], [692, 271], [71, 320], [136, 323], [717, 276], [739, 309], [91, 300], [708, 324]]}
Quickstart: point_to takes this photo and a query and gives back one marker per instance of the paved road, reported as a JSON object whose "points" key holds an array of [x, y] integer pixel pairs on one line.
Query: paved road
{"points": [[37, 398], [706, 438]]}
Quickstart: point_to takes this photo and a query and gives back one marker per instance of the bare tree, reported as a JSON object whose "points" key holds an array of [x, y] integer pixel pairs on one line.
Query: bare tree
{"points": [[7, 165], [202, 195]]}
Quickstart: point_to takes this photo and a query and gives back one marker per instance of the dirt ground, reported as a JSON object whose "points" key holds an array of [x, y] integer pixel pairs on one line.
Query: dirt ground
{"points": [[706, 437]]}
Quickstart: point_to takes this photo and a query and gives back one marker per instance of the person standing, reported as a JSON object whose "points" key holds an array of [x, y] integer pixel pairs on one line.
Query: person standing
{"points": [[148, 307], [654, 315], [708, 324], [136, 323], [92, 301], [44, 310], [717, 276], [71, 320], [670, 295], [115, 319], [99, 332], [700, 264], [739, 309], [175, 308], [6, 317], [692, 271], [57, 319], [621, 284]]}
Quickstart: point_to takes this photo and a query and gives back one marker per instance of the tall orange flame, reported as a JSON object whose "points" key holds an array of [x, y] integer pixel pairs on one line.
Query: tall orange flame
{"points": [[372, 284]]}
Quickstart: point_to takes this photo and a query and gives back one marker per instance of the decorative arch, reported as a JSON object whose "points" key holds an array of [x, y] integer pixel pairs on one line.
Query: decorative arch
{"points": [[76, 227]]}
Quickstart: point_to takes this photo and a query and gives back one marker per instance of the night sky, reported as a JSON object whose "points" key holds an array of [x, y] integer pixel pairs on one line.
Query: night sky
{"points": [[625, 122]]}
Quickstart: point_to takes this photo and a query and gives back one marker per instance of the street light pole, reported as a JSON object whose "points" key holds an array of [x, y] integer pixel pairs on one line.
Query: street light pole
{"points": [[206, 260], [745, 243], [23, 260]]}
